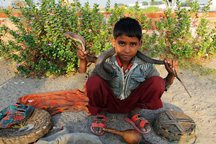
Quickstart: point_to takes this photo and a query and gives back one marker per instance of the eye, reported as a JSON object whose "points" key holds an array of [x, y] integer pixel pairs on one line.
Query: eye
{"points": [[133, 44], [121, 43]]}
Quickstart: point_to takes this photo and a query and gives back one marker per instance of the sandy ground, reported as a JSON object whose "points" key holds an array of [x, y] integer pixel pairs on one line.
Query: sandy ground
{"points": [[201, 107]]}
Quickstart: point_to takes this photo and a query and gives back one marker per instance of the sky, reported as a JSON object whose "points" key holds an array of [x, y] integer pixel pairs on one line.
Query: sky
{"points": [[102, 3]]}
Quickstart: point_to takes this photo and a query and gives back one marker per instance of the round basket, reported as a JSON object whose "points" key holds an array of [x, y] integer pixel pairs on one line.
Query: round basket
{"points": [[175, 126], [31, 130]]}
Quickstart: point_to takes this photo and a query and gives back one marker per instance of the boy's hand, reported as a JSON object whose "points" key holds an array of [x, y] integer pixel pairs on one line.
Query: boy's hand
{"points": [[82, 54], [83, 62], [171, 66]]}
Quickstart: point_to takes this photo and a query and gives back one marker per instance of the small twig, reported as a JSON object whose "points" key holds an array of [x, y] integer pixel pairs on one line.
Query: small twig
{"points": [[176, 75]]}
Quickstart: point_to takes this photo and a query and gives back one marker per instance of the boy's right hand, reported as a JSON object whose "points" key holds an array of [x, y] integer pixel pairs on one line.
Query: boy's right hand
{"points": [[82, 55], [83, 62]]}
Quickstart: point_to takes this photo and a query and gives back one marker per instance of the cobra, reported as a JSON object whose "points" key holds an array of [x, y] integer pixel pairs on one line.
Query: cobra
{"points": [[103, 69]]}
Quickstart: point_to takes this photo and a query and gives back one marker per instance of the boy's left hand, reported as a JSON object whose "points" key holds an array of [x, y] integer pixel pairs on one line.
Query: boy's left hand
{"points": [[171, 66]]}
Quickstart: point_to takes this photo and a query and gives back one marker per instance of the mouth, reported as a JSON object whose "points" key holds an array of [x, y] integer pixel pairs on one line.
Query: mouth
{"points": [[126, 56]]}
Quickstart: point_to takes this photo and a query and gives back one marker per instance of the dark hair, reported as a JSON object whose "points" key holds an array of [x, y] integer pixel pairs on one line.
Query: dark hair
{"points": [[129, 27]]}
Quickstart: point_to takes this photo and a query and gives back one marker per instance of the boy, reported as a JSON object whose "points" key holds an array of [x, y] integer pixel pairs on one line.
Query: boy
{"points": [[136, 86]]}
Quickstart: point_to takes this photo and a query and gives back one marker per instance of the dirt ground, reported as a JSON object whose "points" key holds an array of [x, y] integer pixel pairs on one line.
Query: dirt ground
{"points": [[201, 107]]}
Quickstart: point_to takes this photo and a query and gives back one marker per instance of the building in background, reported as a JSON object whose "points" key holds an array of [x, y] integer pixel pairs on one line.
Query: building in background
{"points": [[213, 6], [146, 4], [163, 4]]}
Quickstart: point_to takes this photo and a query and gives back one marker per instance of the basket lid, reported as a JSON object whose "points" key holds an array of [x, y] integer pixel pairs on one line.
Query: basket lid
{"points": [[174, 125]]}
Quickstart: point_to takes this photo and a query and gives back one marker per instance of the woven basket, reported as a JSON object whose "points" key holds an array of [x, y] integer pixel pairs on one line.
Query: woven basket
{"points": [[175, 126], [34, 128]]}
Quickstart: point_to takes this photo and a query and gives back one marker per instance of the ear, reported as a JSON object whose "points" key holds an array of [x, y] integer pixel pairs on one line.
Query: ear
{"points": [[113, 42], [140, 43]]}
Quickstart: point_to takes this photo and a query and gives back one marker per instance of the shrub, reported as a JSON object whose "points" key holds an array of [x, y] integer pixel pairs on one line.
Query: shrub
{"points": [[173, 36], [39, 47]]}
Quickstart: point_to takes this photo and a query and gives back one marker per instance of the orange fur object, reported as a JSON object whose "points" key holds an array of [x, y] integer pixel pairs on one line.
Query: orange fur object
{"points": [[57, 102]]}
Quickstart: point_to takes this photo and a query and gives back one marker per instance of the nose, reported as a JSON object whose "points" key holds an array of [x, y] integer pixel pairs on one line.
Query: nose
{"points": [[127, 49]]}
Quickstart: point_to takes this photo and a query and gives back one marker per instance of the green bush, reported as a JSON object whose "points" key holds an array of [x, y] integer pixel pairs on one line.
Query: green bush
{"points": [[40, 49], [173, 36]]}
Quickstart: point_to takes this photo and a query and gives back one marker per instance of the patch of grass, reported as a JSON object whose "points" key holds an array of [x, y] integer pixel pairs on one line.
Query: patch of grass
{"points": [[203, 70], [151, 10], [196, 66], [142, 11]]}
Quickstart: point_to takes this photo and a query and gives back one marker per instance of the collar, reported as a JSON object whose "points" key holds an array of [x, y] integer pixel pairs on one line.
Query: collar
{"points": [[120, 64]]}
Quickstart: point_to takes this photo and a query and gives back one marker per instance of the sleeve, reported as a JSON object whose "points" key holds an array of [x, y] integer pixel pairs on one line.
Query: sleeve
{"points": [[152, 71]]}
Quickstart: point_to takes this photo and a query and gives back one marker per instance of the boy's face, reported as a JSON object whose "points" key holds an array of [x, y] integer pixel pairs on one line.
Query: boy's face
{"points": [[126, 47]]}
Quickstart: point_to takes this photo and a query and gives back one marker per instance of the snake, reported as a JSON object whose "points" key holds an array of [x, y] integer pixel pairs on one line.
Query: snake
{"points": [[105, 70], [90, 57]]}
